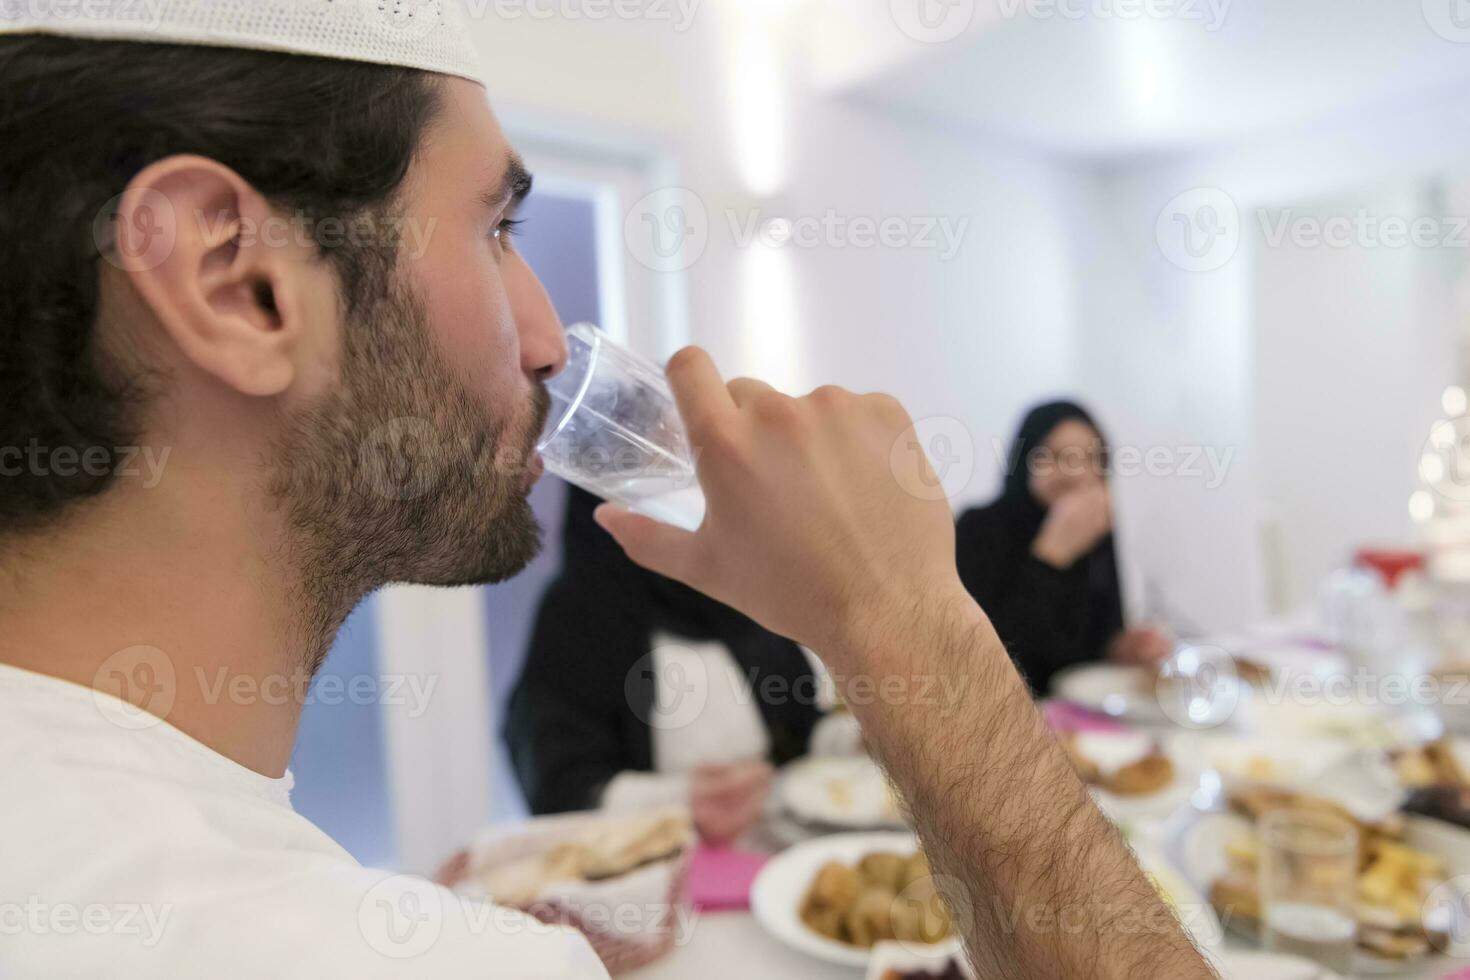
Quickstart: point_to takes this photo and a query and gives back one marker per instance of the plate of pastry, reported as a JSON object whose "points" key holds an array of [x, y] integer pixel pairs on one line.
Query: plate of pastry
{"points": [[571, 868], [1131, 774], [836, 898]]}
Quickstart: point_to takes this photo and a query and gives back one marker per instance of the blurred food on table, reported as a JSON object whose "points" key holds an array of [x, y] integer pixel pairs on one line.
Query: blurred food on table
{"points": [[1394, 880], [1441, 762], [1125, 765], [950, 971], [623, 881], [601, 850], [860, 904], [1438, 777]]}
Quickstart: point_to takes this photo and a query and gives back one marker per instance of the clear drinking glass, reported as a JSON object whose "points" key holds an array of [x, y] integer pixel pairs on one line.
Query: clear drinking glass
{"points": [[615, 431], [1309, 874]]}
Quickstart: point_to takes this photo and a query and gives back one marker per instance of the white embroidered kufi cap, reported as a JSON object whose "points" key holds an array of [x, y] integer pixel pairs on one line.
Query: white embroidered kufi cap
{"points": [[427, 34]]}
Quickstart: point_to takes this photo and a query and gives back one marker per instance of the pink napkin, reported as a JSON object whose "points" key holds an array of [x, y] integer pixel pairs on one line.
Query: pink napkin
{"points": [[1068, 716], [1458, 975], [720, 880]]}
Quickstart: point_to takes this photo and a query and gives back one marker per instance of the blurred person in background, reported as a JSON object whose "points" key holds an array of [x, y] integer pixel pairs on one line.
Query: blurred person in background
{"points": [[639, 691], [1042, 560]]}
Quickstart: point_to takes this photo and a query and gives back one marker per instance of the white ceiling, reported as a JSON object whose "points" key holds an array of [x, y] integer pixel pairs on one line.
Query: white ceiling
{"points": [[1104, 88]]}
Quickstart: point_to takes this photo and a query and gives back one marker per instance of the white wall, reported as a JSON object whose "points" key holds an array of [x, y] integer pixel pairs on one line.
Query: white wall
{"points": [[1353, 348], [1170, 354], [1060, 284], [973, 338]]}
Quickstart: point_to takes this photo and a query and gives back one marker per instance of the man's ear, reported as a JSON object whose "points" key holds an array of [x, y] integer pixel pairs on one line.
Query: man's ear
{"points": [[225, 276]]}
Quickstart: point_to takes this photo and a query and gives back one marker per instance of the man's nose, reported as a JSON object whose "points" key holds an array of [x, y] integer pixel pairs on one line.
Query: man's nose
{"points": [[543, 341]]}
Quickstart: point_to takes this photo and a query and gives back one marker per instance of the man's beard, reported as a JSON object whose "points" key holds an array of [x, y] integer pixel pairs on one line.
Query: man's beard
{"points": [[400, 475]]}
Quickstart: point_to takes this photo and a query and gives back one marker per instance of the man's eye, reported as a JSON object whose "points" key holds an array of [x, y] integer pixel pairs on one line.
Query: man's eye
{"points": [[507, 228]]}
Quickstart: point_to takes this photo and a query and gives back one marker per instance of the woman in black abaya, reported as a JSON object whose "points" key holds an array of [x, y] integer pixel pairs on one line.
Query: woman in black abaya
{"points": [[1042, 560]]}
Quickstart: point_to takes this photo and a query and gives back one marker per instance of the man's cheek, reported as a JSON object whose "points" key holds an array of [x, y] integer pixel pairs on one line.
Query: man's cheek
{"points": [[470, 318], [320, 363]]}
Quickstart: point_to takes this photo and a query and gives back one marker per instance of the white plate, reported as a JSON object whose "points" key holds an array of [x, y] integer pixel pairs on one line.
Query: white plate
{"points": [[1287, 716], [1123, 692], [847, 792], [776, 896], [1360, 779], [1201, 847], [1288, 763], [1111, 750]]}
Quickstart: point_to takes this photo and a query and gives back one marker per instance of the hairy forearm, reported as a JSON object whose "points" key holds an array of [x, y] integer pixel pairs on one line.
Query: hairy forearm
{"points": [[1041, 885]]}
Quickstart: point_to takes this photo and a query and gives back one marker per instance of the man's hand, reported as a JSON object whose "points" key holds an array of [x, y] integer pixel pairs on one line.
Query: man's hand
{"points": [[729, 800], [807, 529], [1074, 525]]}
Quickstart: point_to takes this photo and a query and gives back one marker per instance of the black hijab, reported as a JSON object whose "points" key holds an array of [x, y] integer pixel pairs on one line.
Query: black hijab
{"points": [[1049, 618], [1036, 428]]}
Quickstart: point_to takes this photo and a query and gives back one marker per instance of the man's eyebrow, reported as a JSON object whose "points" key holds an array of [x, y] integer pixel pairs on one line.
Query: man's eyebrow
{"points": [[513, 188]]}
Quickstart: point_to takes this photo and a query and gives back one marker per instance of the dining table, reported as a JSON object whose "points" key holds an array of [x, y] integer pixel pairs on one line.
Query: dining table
{"points": [[731, 945]]}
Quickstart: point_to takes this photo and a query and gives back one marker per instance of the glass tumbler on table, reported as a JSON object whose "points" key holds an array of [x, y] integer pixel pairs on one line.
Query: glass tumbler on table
{"points": [[614, 430], [1309, 874]]}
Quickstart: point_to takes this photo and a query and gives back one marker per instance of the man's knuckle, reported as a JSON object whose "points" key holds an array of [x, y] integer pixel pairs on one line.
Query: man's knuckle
{"points": [[887, 405], [683, 360], [778, 409], [831, 396]]}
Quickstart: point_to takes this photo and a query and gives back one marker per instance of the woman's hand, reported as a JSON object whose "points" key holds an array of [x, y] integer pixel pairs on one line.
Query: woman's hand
{"points": [[1074, 525], [729, 800], [1145, 647]]}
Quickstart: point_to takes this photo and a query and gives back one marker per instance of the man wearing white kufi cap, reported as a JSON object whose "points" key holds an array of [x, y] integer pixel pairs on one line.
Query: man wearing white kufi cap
{"points": [[266, 345], [266, 244], [426, 34]]}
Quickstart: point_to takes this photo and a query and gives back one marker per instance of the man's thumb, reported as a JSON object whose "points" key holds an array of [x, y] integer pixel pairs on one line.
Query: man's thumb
{"points": [[659, 547]]}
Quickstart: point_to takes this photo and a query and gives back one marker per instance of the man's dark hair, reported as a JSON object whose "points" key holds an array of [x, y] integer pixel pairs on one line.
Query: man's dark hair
{"points": [[78, 120]]}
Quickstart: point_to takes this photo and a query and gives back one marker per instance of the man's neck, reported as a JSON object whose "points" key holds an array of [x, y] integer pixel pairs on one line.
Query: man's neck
{"points": [[179, 603]]}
